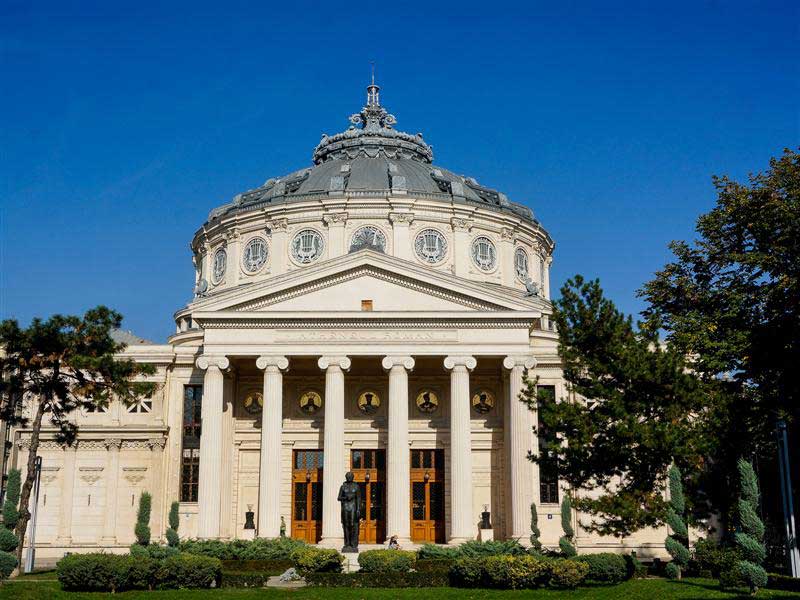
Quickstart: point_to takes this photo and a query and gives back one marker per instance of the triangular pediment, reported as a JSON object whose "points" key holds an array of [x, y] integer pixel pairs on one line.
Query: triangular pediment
{"points": [[342, 283]]}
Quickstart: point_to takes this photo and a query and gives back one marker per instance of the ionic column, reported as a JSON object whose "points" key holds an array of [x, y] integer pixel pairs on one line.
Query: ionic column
{"points": [[519, 440], [335, 465], [112, 467], [398, 469], [269, 482], [462, 526], [210, 483]]}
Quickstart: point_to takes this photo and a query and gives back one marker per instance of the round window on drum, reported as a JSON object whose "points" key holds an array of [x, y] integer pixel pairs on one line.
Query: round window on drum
{"points": [[255, 255], [220, 262], [521, 264], [431, 246], [484, 253], [307, 246]]}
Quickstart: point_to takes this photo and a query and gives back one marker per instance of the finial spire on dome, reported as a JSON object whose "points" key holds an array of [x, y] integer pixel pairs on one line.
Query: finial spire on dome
{"points": [[373, 91]]}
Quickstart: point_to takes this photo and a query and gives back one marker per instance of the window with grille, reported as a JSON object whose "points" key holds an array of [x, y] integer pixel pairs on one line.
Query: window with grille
{"points": [[190, 452], [143, 405], [548, 473]]}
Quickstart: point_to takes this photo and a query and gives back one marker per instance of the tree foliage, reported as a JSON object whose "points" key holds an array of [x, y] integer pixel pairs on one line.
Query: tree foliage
{"points": [[58, 365], [628, 417], [677, 544]]}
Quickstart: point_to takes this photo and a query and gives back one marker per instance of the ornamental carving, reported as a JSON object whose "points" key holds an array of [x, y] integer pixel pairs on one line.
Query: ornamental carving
{"points": [[90, 475], [461, 224], [335, 218], [401, 218], [49, 474], [134, 475]]}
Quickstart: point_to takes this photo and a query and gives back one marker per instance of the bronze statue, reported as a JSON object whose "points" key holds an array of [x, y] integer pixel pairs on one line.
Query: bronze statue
{"points": [[350, 497]]}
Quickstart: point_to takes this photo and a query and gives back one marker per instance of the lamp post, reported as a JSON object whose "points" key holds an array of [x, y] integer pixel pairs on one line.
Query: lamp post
{"points": [[32, 543], [786, 496]]}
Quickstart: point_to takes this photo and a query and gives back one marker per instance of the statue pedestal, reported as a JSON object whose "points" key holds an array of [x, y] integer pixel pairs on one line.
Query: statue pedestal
{"points": [[350, 562], [486, 535], [248, 534]]}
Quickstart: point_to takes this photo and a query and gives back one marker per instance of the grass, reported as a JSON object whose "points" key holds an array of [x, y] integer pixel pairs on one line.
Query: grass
{"points": [[31, 587]]}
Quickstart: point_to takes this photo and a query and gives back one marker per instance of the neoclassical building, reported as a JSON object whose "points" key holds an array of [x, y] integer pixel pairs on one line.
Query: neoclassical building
{"points": [[372, 312]]}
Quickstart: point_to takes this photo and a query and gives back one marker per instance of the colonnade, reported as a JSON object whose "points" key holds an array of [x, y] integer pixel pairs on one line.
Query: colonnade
{"points": [[463, 516]]}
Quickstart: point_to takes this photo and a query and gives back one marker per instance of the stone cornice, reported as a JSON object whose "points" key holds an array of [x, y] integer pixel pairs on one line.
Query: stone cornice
{"points": [[349, 322]]}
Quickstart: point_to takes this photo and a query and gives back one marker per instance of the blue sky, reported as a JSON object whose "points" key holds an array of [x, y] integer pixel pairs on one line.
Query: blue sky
{"points": [[124, 124]]}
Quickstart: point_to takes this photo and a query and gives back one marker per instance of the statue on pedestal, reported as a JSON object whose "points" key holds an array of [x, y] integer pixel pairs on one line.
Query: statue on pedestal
{"points": [[350, 497]]}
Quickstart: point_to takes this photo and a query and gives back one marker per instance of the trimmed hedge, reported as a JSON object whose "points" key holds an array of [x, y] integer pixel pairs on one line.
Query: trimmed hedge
{"points": [[114, 572], [257, 549], [517, 572], [471, 549], [433, 565], [434, 552], [783, 582], [245, 579], [8, 562], [312, 559], [271, 567], [386, 561], [605, 567], [154, 551], [378, 580]]}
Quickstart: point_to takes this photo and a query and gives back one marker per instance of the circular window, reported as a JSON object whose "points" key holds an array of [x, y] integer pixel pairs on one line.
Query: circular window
{"points": [[220, 261], [255, 254], [369, 402], [521, 264], [427, 402], [431, 246], [310, 402], [483, 401], [254, 403], [307, 246], [368, 237], [484, 254]]}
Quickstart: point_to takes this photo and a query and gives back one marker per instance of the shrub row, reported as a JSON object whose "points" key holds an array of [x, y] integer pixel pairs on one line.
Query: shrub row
{"points": [[605, 567], [114, 572], [379, 580], [270, 567], [783, 582], [312, 559], [471, 549], [257, 549], [386, 561], [517, 572], [437, 565]]}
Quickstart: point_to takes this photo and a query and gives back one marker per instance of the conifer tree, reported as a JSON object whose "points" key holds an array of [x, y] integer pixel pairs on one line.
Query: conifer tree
{"points": [[536, 544], [677, 543], [8, 540], [749, 538], [173, 539], [566, 542], [142, 527]]}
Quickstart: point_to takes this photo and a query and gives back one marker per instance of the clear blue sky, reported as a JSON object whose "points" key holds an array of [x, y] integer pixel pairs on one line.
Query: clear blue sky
{"points": [[124, 124]]}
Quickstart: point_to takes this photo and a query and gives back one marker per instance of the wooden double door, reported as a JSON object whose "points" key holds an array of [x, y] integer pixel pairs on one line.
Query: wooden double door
{"points": [[427, 496], [307, 495], [369, 471]]}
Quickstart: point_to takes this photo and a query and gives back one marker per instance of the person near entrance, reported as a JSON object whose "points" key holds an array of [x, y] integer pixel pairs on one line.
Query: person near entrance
{"points": [[350, 498]]}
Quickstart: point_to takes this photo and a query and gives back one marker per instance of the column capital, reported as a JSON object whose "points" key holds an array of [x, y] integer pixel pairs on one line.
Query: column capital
{"points": [[206, 361], [451, 362], [342, 362], [406, 362], [113, 444], [281, 362], [520, 360]]}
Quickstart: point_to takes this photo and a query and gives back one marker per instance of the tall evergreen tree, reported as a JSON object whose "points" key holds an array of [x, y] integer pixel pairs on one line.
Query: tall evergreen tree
{"points": [[142, 527], [174, 519], [567, 541], [632, 412], [750, 537], [536, 544], [8, 540], [53, 367], [677, 544]]}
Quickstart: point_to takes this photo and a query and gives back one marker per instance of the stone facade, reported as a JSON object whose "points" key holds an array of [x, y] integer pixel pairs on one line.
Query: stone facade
{"points": [[323, 336]]}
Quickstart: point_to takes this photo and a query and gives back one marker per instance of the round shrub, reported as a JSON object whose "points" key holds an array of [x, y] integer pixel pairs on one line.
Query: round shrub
{"points": [[567, 573], [93, 572], [311, 559], [605, 567], [8, 562], [672, 571], [386, 561], [8, 541], [514, 572]]}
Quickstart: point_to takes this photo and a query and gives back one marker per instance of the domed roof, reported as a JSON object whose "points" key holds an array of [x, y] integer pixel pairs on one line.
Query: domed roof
{"points": [[372, 157]]}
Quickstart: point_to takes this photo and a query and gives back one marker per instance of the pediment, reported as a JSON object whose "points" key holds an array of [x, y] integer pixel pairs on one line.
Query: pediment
{"points": [[341, 284]]}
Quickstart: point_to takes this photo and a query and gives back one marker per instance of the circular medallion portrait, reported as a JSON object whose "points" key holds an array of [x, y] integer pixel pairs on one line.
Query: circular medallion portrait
{"points": [[310, 402], [427, 402], [254, 403], [369, 402], [483, 401]]}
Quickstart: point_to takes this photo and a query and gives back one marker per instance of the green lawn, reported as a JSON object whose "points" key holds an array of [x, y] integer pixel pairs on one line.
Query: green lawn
{"points": [[37, 587]]}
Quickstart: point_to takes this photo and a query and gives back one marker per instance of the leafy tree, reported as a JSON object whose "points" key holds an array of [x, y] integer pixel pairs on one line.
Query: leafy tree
{"points": [[750, 537], [677, 544], [142, 527], [54, 367], [174, 521], [536, 544], [629, 415], [731, 300], [566, 542]]}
